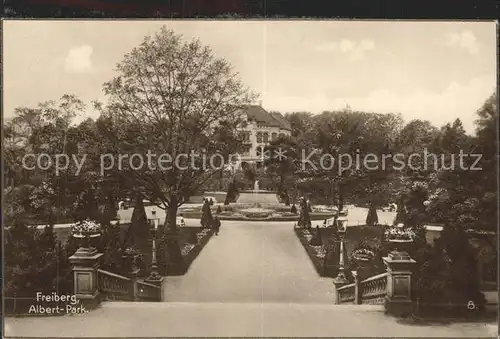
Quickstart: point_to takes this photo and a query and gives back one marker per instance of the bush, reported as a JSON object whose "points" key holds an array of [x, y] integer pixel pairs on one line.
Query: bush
{"points": [[192, 238], [112, 249], [447, 273], [293, 209], [34, 262], [219, 209]]}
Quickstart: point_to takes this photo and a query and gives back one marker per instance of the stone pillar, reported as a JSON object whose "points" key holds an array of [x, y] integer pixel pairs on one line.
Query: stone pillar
{"points": [[398, 300], [134, 276], [85, 263], [358, 293]]}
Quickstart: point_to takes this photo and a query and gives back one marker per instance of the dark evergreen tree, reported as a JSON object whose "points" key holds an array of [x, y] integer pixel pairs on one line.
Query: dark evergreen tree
{"points": [[206, 215], [138, 233], [316, 239], [372, 217]]}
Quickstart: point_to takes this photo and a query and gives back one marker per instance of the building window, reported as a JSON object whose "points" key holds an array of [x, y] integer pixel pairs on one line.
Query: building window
{"points": [[246, 150], [266, 137], [259, 137], [258, 151], [274, 136], [244, 136]]}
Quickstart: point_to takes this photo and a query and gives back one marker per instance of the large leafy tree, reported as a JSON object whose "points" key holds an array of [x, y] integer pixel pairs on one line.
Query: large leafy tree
{"points": [[375, 179], [339, 136], [463, 196], [43, 129], [168, 98], [282, 163]]}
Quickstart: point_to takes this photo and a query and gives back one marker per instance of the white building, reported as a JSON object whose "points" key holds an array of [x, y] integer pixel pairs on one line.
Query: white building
{"points": [[259, 129]]}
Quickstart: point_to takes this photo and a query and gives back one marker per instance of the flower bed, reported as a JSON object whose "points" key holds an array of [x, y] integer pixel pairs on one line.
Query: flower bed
{"points": [[320, 251], [363, 254], [191, 251], [399, 234], [187, 248], [315, 253]]}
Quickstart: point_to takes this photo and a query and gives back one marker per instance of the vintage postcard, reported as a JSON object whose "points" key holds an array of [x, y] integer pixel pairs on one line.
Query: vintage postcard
{"points": [[262, 178]]}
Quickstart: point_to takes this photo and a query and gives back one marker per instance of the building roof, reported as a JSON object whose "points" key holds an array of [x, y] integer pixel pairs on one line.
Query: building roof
{"points": [[285, 124], [259, 114]]}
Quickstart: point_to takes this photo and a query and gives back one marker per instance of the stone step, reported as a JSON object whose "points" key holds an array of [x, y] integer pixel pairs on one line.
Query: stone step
{"points": [[245, 305], [176, 319]]}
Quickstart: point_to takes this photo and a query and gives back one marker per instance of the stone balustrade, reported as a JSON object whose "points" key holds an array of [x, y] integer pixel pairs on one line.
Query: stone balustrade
{"points": [[392, 288], [92, 284], [346, 294], [374, 289], [114, 286], [369, 291]]}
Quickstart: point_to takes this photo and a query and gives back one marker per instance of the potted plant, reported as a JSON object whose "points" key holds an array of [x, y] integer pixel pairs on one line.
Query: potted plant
{"points": [[131, 256], [363, 255]]}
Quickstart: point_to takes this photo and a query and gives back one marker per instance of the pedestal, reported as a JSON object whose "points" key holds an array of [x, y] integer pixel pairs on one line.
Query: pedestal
{"points": [[398, 300], [339, 281], [134, 275], [156, 280], [85, 263]]}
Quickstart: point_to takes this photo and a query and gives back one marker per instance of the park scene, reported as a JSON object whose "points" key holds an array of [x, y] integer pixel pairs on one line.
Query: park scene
{"points": [[185, 207]]}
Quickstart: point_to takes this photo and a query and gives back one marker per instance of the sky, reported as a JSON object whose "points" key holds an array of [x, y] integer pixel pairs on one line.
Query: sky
{"points": [[436, 71]]}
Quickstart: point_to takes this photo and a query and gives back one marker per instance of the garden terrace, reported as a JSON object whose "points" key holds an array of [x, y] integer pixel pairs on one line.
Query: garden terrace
{"points": [[186, 236]]}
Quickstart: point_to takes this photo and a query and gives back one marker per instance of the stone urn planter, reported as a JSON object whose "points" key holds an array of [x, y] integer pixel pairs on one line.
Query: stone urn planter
{"points": [[399, 239], [399, 248], [364, 261], [86, 232]]}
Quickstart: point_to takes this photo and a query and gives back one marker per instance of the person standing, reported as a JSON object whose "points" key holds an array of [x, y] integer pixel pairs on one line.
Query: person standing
{"points": [[216, 225]]}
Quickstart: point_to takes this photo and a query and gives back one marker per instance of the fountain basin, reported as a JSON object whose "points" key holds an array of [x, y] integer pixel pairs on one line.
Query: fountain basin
{"points": [[258, 196]]}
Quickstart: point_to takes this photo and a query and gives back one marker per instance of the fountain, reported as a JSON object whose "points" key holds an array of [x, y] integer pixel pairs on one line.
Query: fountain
{"points": [[258, 195]]}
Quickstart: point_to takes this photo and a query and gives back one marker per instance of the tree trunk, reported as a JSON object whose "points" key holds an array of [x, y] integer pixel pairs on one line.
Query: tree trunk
{"points": [[174, 255], [281, 184], [341, 199], [221, 177]]}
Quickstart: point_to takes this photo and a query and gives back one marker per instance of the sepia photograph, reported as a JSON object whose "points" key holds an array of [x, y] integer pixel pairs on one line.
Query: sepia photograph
{"points": [[251, 178]]}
